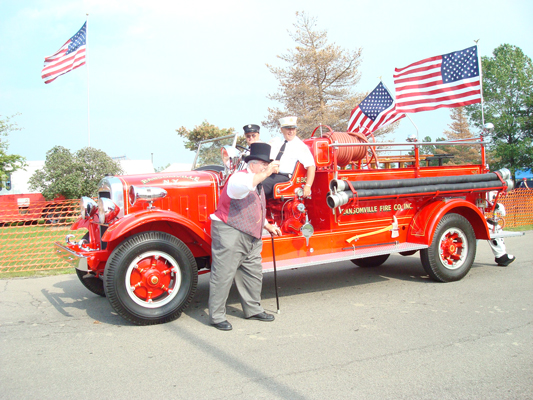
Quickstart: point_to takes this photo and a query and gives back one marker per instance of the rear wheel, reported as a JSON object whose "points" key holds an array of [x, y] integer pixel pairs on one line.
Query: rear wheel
{"points": [[150, 278], [370, 262], [452, 251]]}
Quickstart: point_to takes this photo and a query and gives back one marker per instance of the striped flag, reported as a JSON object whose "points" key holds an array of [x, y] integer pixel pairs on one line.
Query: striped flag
{"points": [[70, 56], [450, 80], [375, 111]]}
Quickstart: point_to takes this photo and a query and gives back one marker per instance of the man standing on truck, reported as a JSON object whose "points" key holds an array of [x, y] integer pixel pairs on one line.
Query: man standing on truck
{"points": [[236, 230], [291, 151]]}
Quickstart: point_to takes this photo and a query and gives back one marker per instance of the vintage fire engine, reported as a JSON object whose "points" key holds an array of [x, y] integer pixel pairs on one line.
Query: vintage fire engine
{"points": [[149, 235]]}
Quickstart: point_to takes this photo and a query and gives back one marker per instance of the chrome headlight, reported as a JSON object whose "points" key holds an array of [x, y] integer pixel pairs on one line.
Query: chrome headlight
{"points": [[145, 193], [107, 210], [88, 207]]}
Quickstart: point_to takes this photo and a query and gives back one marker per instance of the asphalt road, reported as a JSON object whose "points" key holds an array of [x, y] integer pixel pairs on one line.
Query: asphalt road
{"points": [[343, 333]]}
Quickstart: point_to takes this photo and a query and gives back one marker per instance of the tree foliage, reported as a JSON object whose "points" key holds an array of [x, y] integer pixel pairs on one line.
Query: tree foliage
{"points": [[459, 130], [8, 162], [317, 82], [204, 131], [73, 175], [508, 95]]}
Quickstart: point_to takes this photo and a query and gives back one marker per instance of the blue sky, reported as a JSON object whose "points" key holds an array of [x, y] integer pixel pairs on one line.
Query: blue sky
{"points": [[155, 66]]}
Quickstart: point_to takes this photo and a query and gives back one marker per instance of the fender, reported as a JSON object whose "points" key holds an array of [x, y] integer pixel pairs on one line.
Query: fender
{"points": [[425, 221], [132, 221]]}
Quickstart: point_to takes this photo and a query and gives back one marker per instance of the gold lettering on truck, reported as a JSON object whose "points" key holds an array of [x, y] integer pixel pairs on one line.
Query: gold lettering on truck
{"points": [[376, 209]]}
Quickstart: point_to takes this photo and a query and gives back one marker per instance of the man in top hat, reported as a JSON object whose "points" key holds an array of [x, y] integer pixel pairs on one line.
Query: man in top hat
{"points": [[291, 151], [236, 230]]}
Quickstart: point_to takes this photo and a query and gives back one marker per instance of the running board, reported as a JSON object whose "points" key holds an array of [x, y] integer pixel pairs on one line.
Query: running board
{"points": [[505, 234], [349, 254]]}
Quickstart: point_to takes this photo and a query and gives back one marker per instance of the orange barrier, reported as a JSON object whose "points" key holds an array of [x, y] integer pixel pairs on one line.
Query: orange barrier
{"points": [[27, 235], [27, 232], [518, 207]]}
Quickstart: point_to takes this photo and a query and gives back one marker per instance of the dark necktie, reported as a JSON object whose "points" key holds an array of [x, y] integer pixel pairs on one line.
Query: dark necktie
{"points": [[278, 157], [259, 187]]}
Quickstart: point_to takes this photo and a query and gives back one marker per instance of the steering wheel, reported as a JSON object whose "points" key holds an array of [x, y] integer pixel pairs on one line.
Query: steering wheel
{"points": [[330, 130], [241, 148]]}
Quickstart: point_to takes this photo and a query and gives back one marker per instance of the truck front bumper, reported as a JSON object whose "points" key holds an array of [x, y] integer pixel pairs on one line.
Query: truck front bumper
{"points": [[76, 259]]}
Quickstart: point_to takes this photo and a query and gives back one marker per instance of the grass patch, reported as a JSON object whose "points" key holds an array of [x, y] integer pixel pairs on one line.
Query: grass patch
{"points": [[36, 274], [520, 228]]}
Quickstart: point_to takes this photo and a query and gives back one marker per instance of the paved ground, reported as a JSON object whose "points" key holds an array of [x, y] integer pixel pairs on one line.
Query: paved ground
{"points": [[343, 333]]}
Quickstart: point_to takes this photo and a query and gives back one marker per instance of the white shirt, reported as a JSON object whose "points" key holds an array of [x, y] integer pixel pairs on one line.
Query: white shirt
{"points": [[295, 151]]}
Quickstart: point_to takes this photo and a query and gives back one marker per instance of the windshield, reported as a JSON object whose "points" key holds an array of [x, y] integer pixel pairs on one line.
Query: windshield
{"points": [[209, 151]]}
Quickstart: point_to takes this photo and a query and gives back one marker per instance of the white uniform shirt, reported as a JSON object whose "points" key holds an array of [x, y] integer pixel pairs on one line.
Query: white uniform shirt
{"points": [[295, 151]]}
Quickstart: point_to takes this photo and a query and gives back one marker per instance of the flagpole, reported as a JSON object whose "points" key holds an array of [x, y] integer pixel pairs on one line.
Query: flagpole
{"points": [[406, 114], [87, 67], [480, 84]]}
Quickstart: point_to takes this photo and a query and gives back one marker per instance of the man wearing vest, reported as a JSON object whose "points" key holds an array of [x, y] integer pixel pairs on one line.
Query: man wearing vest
{"points": [[236, 230], [289, 153]]}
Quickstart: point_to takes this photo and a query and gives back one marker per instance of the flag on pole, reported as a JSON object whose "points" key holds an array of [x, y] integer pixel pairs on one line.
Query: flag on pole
{"points": [[375, 111], [450, 80], [70, 56]]}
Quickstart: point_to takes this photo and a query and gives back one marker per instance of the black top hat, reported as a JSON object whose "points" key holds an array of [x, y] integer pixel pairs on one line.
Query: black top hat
{"points": [[250, 128], [259, 151]]}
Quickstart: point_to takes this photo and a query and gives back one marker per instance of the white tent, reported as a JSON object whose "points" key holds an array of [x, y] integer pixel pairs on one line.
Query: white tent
{"points": [[177, 167]]}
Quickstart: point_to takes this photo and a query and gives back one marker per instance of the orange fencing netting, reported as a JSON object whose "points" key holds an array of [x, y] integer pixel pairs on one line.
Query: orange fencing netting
{"points": [[28, 231], [518, 207], [27, 234]]}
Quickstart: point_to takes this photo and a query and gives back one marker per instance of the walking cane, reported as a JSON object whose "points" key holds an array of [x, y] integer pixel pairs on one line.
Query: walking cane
{"points": [[275, 271]]}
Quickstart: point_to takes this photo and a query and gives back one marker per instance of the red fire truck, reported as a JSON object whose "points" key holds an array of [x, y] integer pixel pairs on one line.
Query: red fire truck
{"points": [[149, 235]]}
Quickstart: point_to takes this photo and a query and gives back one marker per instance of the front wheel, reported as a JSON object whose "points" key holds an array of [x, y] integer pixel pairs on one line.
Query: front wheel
{"points": [[150, 278], [452, 251]]}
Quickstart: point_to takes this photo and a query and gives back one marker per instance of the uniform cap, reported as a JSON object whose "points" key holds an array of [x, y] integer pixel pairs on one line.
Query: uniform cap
{"points": [[288, 122], [250, 128]]}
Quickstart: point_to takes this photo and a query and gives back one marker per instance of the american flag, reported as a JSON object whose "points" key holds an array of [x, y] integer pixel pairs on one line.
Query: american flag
{"points": [[450, 80], [374, 112], [70, 56]]}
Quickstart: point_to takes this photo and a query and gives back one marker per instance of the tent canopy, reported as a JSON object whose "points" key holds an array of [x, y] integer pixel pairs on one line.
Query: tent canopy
{"points": [[528, 174]]}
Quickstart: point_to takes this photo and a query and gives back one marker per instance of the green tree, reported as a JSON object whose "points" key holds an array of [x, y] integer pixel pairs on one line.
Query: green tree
{"points": [[508, 95], [210, 152], [9, 163], [73, 175], [459, 130], [317, 82], [204, 131]]}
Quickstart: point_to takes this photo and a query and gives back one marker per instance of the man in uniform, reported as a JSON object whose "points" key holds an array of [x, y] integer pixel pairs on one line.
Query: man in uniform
{"points": [[236, 230], [291, 151], [251, 134]]}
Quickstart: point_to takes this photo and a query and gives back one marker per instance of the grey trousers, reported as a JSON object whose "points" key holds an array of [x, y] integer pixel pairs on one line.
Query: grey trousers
{"points": [[235, 255]]}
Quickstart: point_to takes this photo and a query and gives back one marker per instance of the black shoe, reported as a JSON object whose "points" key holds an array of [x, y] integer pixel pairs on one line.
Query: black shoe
{"points": [[223, 326], [504, 260], [262, 317]]}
